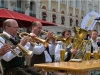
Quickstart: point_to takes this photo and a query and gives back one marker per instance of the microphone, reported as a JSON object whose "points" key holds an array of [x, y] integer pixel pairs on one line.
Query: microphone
{"points": [[13, 41], [97, 18]]}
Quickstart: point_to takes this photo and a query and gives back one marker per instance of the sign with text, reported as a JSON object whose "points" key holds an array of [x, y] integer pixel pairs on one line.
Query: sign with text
{"points": [[89, 21]]}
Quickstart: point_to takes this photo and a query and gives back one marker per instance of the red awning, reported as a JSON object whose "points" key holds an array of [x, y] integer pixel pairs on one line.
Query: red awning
{"points": [[22, 19]]}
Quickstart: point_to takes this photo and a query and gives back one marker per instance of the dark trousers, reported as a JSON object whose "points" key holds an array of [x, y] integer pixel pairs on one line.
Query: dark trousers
{"points": [[21, 71]]}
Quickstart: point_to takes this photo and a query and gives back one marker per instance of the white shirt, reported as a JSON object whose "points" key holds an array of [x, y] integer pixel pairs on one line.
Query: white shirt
{"points": [[38, 49], [9, 55], [59, 46], [94, 44]]}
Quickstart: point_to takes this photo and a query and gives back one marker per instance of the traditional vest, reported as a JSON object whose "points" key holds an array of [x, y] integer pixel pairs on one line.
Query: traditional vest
{"points": [[36, 59], [15, 62], [98, 43]]}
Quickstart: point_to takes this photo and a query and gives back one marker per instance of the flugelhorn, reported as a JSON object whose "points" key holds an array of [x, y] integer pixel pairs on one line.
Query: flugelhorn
{"points": [[67, 41], [21, 48], [33, 39], [12, 50]]}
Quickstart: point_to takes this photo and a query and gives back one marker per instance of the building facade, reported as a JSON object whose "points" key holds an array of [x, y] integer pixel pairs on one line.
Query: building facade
{"points": [[65, 13]]}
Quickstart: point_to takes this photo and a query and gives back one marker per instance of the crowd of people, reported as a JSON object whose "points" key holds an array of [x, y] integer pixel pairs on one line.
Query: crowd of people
{"points": [[14, 65]]}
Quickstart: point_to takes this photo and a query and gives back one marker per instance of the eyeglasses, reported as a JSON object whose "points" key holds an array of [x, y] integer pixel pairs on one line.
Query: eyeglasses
{"points": [[12, 26]]}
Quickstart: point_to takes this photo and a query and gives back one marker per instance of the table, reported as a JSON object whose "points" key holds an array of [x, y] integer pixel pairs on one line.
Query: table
{"points": [[77, 68]]}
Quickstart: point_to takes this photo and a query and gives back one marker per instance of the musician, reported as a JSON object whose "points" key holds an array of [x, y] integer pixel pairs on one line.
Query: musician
{"points": [[65, 34], [11, 64], [94, 41], [40, 53]]}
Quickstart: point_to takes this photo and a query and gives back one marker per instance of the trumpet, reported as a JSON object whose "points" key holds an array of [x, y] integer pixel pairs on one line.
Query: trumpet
{"points": [[21, 48], [33, 39], [67, 41]]}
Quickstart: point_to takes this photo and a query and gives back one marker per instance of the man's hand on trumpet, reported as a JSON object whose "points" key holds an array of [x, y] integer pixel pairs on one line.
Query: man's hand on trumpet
{"points": [[50, 36], [4, 49], [24, 40]]}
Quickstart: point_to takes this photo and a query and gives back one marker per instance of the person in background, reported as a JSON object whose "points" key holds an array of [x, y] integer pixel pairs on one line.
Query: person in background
{"points": [[65, 34], [11, 64], [94, 42]]}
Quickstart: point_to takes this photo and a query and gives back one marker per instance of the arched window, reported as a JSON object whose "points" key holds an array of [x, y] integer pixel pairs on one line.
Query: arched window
{"points": [[54, 18], [62, 20], [44, 15], [77, 22], [71, 21]]}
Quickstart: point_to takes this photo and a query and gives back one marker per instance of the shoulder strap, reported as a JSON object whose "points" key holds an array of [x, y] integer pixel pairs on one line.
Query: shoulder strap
{"points": [[4, 36]]}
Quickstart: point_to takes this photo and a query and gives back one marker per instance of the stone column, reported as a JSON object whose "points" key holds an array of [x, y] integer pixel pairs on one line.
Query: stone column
{"points": [[67, 7], [49, 11], [99, 5], [10, 4], [27, 7], [86, 8], [80, 12], [74, 16], [38, 8], [58, 20], [93, 5]]}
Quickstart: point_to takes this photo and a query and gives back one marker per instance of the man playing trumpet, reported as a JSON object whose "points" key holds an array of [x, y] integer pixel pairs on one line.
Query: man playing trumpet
{"points": [[11, 64], [41, 54]]}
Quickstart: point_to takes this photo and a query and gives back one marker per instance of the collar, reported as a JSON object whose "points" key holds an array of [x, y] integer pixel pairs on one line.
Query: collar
{"points": [[8, 34], [93, 41]]}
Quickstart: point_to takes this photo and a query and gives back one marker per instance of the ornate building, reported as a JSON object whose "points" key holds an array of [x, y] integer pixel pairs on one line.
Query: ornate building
{"points": [[65, 13]]}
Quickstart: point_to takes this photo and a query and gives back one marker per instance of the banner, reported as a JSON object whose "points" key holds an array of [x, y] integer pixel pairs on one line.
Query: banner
{"points": [[89, 21]]}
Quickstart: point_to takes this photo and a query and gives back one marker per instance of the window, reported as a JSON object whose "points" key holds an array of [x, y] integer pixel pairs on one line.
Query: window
{"points": [[63, 20], [1, 3], [32, 9], [44, 15], [77, 22], [71, 21], [54, 18], [18, 3], [31, 5], [76, 3], [96, 11], [18, 7], [82, 5], [90, 10], [71, 3], [63, 1]]}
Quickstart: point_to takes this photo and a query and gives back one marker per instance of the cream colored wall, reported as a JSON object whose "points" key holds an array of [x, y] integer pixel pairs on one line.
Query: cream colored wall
{"points": [[54, 5]]}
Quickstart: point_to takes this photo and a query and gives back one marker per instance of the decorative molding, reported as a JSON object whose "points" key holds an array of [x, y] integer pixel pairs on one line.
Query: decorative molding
{"points": [[27, 5], [12, 2]]}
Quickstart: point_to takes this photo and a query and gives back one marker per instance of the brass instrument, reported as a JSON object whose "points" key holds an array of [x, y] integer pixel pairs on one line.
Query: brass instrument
{"points": [[78, 38], [21, 48], [33, 39], [81, 52], [13, 51], [67, 41]]}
